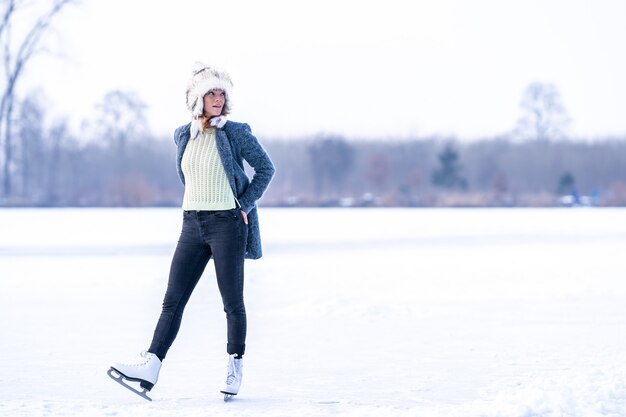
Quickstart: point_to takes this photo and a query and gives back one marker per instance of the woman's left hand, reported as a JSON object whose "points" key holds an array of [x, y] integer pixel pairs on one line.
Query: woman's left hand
{"points": [[245, 216]]}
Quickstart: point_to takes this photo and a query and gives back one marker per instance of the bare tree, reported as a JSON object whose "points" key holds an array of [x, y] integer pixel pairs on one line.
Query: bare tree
{"points": [[30, 152], [544, 115], [378, 171], [57, 136], [121, 117], [331, 160], [15, 57]]}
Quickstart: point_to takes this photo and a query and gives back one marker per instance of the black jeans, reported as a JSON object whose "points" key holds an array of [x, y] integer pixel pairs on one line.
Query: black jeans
{"points": [[220, 234]]}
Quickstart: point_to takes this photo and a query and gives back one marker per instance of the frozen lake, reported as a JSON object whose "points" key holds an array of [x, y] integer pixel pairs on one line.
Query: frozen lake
{"points": [[352, 312]]}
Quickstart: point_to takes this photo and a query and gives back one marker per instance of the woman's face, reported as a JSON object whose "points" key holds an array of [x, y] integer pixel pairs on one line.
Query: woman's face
{"points": [[214, 102]]}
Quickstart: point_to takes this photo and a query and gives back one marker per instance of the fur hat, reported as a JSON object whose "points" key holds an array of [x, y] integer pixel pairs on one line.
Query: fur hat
{"points": [[204, 79]]}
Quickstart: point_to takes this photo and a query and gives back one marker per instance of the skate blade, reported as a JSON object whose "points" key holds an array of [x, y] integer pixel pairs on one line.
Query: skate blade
{"points": [[227, 396], [120, 380]]}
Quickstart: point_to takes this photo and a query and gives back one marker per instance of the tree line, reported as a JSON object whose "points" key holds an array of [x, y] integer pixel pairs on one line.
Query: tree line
{"points": [[444, 172], [122, 164]]}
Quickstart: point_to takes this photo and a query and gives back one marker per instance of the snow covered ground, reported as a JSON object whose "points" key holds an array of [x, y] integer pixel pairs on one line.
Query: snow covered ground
{"points": [[352, 312]]}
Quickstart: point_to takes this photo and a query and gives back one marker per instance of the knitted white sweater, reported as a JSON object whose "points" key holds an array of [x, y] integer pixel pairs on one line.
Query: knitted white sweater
{"points": [[206, 184]]}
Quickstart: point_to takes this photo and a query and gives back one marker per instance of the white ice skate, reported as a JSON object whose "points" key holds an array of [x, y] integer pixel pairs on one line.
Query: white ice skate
{"points": [[233, 378], [144, 369]]}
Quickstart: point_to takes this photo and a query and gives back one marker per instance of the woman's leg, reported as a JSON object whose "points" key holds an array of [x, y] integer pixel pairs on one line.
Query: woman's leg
{"points": [[188, 263], [228, 248]]}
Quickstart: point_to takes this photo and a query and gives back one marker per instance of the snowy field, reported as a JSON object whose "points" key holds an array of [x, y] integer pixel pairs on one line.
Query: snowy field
{"points": [[352, 312]]}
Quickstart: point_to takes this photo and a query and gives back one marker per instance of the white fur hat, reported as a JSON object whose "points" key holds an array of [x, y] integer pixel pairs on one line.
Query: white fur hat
{"points": [[204, 79]]}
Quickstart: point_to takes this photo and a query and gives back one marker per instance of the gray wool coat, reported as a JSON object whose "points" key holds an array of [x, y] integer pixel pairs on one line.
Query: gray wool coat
{"points": [[236, 143]]}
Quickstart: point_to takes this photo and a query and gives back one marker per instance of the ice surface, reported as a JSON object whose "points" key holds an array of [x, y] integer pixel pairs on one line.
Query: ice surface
{"points": [[352, 312]]}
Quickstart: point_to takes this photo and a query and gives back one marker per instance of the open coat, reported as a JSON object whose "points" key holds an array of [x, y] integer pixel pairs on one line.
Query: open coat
{"points": [[236, 143]]}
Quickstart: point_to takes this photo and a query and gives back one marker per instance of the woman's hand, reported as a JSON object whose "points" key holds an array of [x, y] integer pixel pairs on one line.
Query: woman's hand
{"points": [[245, 216]]}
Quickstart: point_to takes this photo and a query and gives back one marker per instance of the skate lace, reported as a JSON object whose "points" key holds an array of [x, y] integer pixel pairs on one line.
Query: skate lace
{"points": [[135, 362], [231, 372], [230, 379]]}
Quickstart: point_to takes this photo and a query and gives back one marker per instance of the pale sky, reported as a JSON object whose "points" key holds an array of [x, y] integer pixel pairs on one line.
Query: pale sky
{"points": [[361, 68]]}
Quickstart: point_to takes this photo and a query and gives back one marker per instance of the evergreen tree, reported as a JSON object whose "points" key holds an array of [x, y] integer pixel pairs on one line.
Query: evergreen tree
{"points": [[448, 174], [567, 184]]}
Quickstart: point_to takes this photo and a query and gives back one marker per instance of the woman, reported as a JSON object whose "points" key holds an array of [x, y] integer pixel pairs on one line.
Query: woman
{"points": [[219, 221]]}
